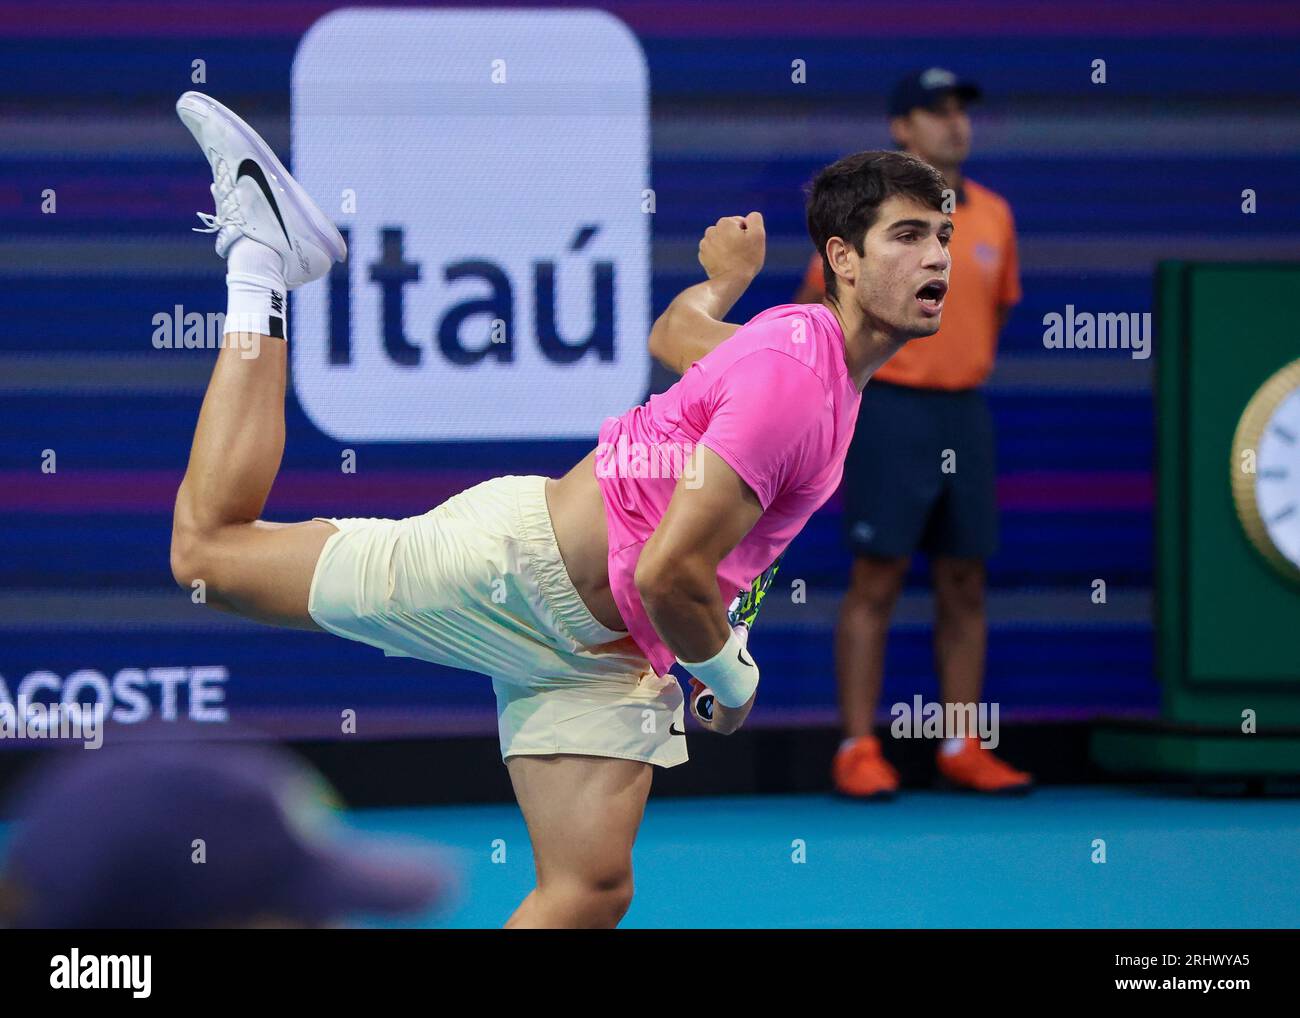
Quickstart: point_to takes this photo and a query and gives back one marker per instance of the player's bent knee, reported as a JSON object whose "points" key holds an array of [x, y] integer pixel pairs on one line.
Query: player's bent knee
{"points": [[186, 549], [192, 565], [606, 905], [599, 902]]}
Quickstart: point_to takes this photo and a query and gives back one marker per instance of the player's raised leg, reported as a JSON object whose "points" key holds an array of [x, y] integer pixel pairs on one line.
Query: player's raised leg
{"points": [[582, 814], [274, 238], [259, 569]]}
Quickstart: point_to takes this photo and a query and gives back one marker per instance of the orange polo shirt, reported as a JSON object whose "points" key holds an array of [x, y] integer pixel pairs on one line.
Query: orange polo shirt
{"points": [[985, 276]]}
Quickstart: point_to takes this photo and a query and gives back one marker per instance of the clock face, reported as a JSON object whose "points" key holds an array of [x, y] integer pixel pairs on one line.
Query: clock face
{"points": [[1268, 499], [1277, 477]]}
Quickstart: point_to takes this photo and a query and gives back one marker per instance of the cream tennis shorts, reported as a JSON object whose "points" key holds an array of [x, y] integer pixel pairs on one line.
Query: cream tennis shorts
{"points": [[478, 583]]}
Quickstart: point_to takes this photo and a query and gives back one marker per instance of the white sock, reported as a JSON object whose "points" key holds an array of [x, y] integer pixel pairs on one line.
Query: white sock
{"points": [[951, 747], [255, 290]]}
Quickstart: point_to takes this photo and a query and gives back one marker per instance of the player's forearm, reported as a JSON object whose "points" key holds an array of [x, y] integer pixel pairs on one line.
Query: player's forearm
{"points": [[690, 618], [692, 324], [686, 610], [717, 295]]}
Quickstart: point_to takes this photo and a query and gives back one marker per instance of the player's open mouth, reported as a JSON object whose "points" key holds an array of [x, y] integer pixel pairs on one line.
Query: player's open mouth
{"points": [[930, 296]]}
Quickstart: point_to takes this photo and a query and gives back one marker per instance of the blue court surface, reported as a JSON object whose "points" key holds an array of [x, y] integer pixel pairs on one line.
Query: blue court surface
{"points": [[928, 859]]}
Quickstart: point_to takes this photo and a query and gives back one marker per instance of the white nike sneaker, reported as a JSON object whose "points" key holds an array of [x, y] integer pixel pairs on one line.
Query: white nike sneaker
{"points": [[256, 197]]}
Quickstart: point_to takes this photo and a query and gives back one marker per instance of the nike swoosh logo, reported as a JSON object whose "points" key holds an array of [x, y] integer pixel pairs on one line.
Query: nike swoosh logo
{"points": [[250, 169], [740, 654], [672, 730]]}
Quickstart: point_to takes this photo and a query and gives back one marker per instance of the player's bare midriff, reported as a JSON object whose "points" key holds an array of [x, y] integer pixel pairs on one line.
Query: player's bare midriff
{"points": [[578, 517]]}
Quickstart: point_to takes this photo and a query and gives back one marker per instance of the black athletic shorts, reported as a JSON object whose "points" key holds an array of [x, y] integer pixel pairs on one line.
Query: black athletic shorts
{"points": [[921, 475]]}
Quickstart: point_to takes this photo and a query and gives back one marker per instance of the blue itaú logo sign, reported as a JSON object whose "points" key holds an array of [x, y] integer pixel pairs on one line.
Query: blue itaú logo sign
{"points": [[454, 336]]}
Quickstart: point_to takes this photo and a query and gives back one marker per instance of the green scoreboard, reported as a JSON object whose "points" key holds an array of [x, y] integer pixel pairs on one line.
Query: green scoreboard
{"points": [[1227, 519]]}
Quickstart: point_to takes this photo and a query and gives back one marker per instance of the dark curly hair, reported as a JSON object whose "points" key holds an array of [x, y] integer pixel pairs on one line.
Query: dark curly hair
{"points": [[845, 197]]}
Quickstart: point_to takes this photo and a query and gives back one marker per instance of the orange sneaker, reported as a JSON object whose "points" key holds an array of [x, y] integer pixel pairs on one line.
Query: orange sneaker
{"points": [[979, 770], [862, 772]]}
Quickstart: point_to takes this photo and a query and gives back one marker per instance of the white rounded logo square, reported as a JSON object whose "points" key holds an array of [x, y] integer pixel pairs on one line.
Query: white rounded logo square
{"points": [[488, 168]]}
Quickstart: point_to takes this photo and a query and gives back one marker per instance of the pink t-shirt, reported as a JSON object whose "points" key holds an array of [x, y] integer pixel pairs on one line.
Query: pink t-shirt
{"points": [[777, 403]]}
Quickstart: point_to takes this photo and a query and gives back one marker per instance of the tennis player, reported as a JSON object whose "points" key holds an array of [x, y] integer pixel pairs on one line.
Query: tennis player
{"points": [[575, 595]]}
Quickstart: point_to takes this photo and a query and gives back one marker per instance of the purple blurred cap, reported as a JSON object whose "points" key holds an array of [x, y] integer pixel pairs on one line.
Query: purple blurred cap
{"points": [[110, 838]]}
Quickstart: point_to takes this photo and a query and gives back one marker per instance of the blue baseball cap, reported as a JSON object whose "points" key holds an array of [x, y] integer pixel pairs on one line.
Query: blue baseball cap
{"points": [[926, 88], [199, 834]]}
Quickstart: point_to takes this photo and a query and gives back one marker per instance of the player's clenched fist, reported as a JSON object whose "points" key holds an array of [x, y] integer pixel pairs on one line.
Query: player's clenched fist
{"points": [[734, 245], [722, 720], [738, 677]]}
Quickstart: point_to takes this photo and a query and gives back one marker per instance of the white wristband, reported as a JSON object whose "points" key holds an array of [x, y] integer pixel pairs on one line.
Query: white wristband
{"points": [[730, 673]]}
